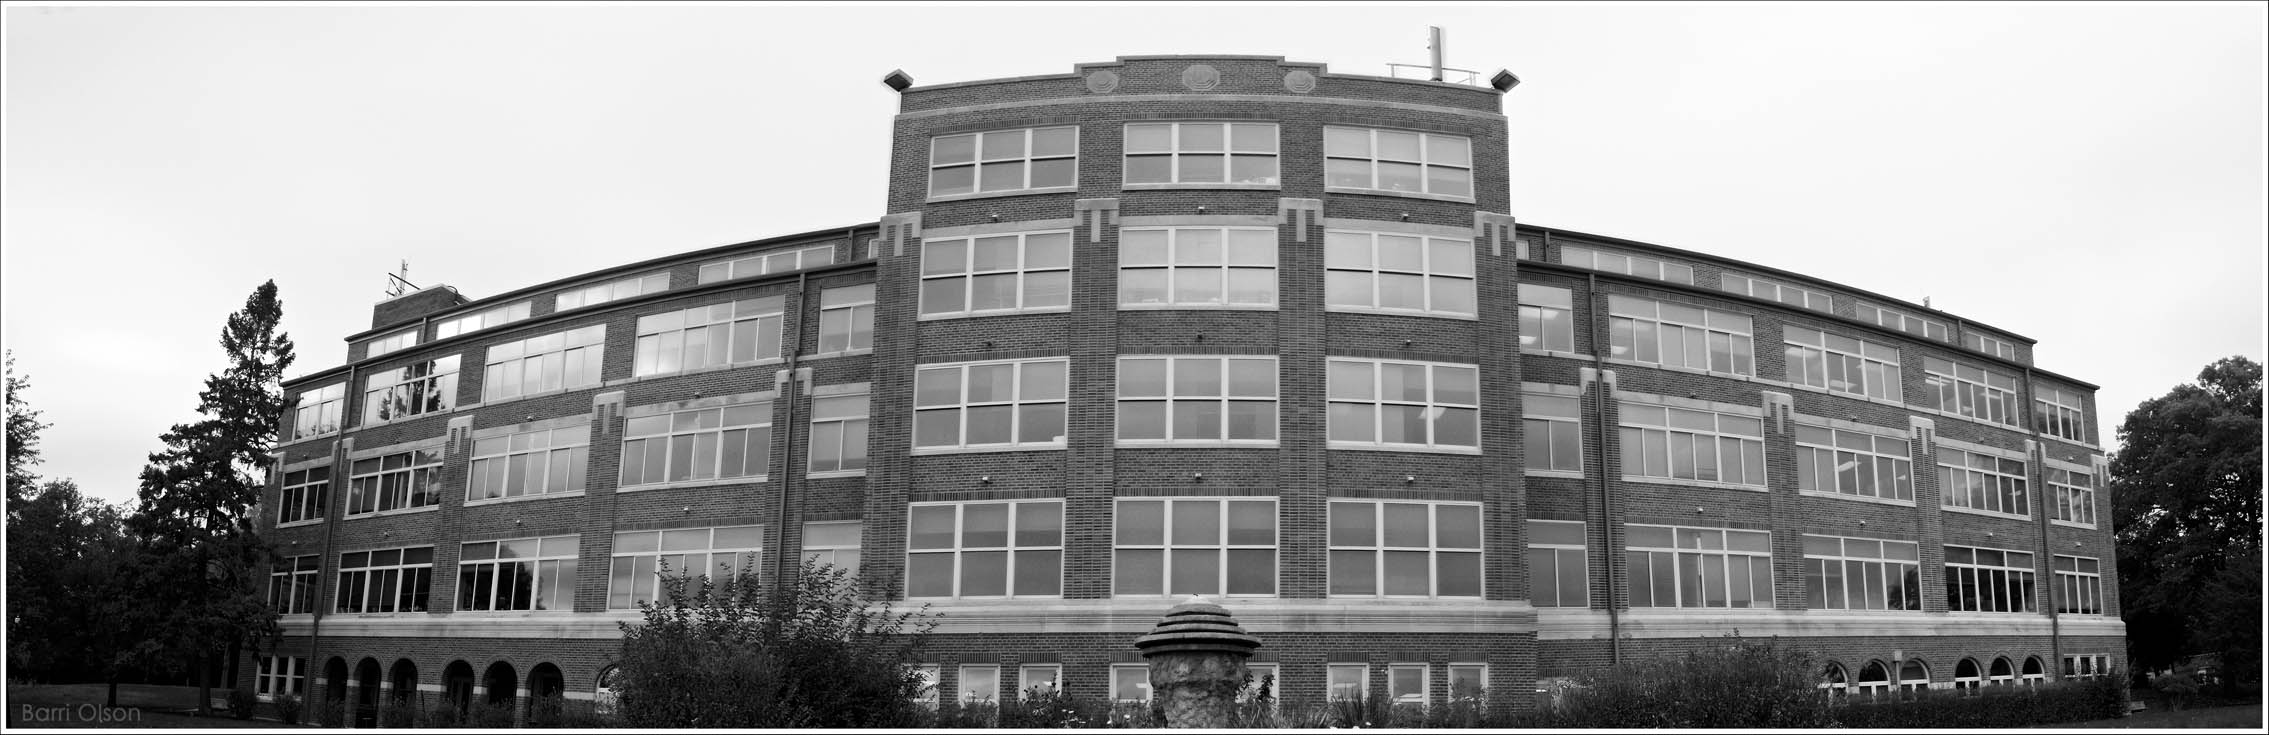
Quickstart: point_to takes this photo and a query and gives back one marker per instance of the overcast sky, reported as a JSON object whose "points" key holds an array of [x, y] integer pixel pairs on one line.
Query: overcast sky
{"points": [[2090, 176]]}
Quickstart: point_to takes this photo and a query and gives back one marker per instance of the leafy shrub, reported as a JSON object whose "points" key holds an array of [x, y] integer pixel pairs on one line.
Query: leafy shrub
{"points": [[1743, 683], [242, 704], [397, 712], [330, 712], [810, 653], [968, 713], [546, 711], [1053, 708], [443, 714], [491, 715], [2176, 688], [1994, 707], [287, 708]]}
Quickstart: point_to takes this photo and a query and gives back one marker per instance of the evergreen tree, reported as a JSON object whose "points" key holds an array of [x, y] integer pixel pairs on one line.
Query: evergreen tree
{"points": [[200, 545], [2186, 513]]}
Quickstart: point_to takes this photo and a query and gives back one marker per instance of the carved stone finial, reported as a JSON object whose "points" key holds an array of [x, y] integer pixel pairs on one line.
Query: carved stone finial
{"points": [[1197, 663]]}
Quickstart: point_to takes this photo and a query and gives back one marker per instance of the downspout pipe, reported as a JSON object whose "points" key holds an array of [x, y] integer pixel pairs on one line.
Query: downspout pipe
{"points": [[788, 474], [1606, 498], [330, 520], [2048, 552]]}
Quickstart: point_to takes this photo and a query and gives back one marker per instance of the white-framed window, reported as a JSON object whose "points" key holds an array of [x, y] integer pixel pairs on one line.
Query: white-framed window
{"points": [[1197, 400], [1397, 161], [1394, 404], [1008, 404], [604, 698], [1914, 676], [1131, 682], [839, 433], [1201, 153], [385, 580], [2060, 413], [396, 481], [1194, 546], [1038, 679], [1970, 391], [732, 333], [1905, 322], [701, 444], [1548, 318], [416, 389], [1678, 566], [927, 694], [2035, 672], [2075, 496], [834, 542], [1405, 549], [766, 263], [560, 360], [720, 553], [281, 675], [1469, 682], [615, 290], [985, 549], [541, 462], [292, 584], [1348, 681], [2000, 348], [395, 342], [1406, 683], [996, 274], [1989, 580], [305, 496], [2002, 673], [1771, 290], [1874, 682], [2079, 585], [1861, 574], [484, 319], [1626, 264], [319, 411], [847, 319], [1557, 573], [1846, 462], [1398, 274], [1984, 482], [1552, 429], [2086, 665], [980, 684], [1834, 683], [1841, 364], [1677, 335], [517, 574], [1669, 443], [1004, 161], [1203, 267]]}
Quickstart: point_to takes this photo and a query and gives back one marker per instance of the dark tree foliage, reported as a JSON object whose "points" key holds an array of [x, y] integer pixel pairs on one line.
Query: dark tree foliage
{"points": [[2186, 513], [197, 494], [23, 443], [1731, 682], [74, 614], [811, 653]]}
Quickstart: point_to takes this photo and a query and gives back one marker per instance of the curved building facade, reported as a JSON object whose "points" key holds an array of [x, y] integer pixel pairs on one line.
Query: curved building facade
{"points": [[1223, 325]]}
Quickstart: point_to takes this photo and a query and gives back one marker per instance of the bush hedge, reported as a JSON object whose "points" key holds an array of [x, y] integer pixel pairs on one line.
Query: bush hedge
{"points": [[2099, 698]]}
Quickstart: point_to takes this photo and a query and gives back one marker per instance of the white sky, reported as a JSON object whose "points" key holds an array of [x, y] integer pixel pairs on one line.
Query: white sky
{"points": [[2088, 176]]}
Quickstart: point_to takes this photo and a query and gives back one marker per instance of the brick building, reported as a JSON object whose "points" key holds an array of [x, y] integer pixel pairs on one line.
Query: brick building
{"points": [[1228, 325]]}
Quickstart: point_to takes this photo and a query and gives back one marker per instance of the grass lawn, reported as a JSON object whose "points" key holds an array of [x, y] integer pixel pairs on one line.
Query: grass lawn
{"points": [[2241, 716], [139, 705]]}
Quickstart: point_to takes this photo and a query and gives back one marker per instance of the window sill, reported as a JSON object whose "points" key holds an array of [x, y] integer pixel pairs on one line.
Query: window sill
{"points": [[1554, 353], [1835, 393], [1196, 307], [2071, 524], [1680, 369], [1189, 185], [925, 451], [367, 425], [1065, 309], [1959, 417], [1393, 193], [1339, 309], [394, 512], [1005, 193], [844, 353], [1408, 597], [1857, 498], [471, 503], [332, 434], [682, 484], [486, 401], [1568, 474], [507, 614], [1987, 513], [711, 369], [1194, 444], [300, 524], [2068, 440], [1417, 448], [1680, 482], [832, 474]]}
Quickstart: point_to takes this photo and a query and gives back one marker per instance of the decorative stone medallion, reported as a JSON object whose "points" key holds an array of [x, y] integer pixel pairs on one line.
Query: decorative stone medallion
{"points": [[1300, 81], [1201, 78], [1102, 82]]}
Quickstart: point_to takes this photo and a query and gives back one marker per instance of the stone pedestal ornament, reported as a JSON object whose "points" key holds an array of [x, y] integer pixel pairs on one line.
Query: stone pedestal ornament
{"points": [[1197, 663]]}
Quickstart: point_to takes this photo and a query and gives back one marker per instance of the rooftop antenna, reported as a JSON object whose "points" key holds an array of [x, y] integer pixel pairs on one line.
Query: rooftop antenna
{"points": [[398, 284], [1434, 44], [1926, 302]]}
